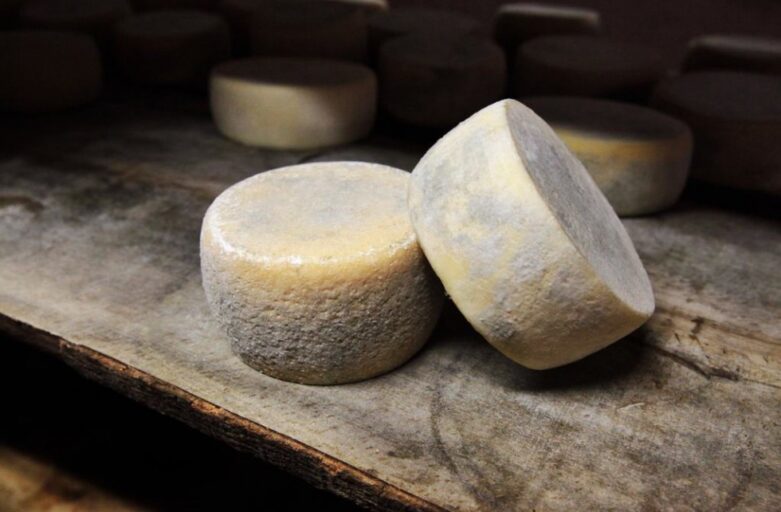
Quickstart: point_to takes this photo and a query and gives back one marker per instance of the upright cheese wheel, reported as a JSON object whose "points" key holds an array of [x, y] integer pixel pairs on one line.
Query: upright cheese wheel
{"points": [[293, 103], [516, 23], [317, 29], [736, 121], [585, 66], [315, 273], [439, 81], [736, 53], [94, 17], [43, 71], [638, 157], [171, 47], [523, 240]]}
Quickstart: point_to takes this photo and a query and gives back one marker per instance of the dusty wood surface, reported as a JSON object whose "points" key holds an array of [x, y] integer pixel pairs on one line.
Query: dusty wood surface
{"points": [[99, 221]]}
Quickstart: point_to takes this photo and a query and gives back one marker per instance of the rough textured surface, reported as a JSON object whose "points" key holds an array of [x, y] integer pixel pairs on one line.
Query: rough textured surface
{"points": [[734, 52], [519, 22], [98, 238], [638, 157], [293, 103], [523, 241], [315, 273]]}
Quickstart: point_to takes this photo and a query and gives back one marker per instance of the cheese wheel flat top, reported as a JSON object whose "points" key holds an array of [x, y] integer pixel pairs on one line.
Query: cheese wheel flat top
{"points": [[419, 19], [325, 213], [725, 95], [590, 53], [739, 44], [443, 51], [294, 72], [169, 23], [65, 12], [532, 10]]}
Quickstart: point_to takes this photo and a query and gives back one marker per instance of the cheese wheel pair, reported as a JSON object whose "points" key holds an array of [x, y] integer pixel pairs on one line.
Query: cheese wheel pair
{"points": [[586, 66], [638, 157], [735, 53], [736, 121], [432, 81], [516, 23], [293, 103], [315, 272], [176, 47], [94, 17], [42, 71]]}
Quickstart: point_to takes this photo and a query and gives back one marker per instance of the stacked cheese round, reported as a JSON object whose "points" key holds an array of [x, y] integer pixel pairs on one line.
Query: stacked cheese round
{"points": [[171, 47], [293, 103], [732, 52], [736, 121], [45, 71], [516, 23], [524, 242], [94, 17], [638, 157], [585, 66], [315, 272], [439, 81], [316, 29]]}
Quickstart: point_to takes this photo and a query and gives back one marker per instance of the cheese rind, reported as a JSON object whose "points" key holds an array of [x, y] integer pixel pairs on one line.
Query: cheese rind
{"points": [[638, 157], [46, 71], [523, 241], [293, 103], [315, 273], [516, 23]]}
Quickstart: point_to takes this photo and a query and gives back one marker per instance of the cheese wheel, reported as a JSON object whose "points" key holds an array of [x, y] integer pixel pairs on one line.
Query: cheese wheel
{"points": [[176, 47], [523, 240], [517, 23], [318, 29], [393, 23], [734, 52], [315, 273], [439, 81], [43, 71], [736, 121], [585, 66], [94, 17], [638, 157], [165, 5], [293, 103]]}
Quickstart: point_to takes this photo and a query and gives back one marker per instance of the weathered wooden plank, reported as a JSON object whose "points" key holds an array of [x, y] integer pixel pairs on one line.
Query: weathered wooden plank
{"points": [[98, 248]]}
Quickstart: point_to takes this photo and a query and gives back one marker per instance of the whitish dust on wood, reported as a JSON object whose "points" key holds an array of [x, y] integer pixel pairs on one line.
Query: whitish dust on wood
{"points": [[99, 222]]}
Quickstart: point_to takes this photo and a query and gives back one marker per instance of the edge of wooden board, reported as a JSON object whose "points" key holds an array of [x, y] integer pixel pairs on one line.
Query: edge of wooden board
{"points": [[312, 465]]}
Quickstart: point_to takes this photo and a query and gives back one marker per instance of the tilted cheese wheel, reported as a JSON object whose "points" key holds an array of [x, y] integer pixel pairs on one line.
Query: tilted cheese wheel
{"points": [[524, 242], [736, 53], [315, 273], [736, 121], [293, 103], [317, 29], [171, 47], [638, 157], [44, 71], [94, 17], [517, 23], [439, 81], [585, 66]]}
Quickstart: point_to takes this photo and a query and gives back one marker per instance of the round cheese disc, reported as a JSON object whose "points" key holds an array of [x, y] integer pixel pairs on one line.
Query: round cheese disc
{"points": [[585, 66], [524, 242], [734, 52], [94, 17], [516, 23], [315, 273], [293, 103], [171, 47], [439, 81], [316, 29], [637, 156], [736, 121], [43, 71]]}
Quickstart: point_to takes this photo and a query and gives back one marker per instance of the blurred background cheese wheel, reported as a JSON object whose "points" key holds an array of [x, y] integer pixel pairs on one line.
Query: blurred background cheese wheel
{"points": [[293, 103], [736, 121], [43, 71], [315, 272], [516, 23], [164, 5], [176, 47], [438, 81], [734, 52], [637, 156], [586, 66], [94, 17], [315, 29]]}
